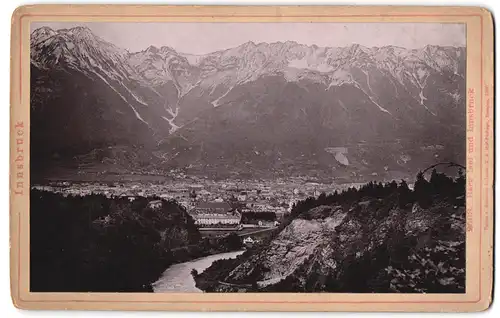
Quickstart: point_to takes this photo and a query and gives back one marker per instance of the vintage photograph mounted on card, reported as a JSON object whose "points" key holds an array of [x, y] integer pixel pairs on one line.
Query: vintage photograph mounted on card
{"points": [[252, 158]]}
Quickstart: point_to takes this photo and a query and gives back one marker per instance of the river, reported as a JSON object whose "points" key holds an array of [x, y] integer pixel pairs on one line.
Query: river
{"points": [[178, 279]]}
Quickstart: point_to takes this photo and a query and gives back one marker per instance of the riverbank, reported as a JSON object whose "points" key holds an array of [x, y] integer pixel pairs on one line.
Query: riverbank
{"points": [[212, 278], [179, 278]]}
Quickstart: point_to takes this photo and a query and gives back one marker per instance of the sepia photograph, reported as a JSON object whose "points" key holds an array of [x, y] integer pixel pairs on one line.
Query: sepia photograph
{"points": [[212, 158]]}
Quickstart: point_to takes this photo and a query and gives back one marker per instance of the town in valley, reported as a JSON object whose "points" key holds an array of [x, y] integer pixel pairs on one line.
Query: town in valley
{"points": [[217, 207]]}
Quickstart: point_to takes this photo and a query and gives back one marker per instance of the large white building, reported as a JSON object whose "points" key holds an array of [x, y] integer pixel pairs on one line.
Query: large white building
{"points": [[215, 213]]}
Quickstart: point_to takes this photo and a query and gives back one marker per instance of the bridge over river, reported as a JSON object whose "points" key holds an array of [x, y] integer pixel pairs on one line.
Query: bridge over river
{"points": [[242, 233]]}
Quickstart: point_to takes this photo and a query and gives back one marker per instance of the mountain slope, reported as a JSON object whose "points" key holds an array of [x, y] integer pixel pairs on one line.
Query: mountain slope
{"points": [[86, 96]]}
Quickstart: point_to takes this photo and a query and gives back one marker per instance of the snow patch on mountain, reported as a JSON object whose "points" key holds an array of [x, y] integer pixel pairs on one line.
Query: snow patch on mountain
{"points": [[304, 64], [193, 59], [339, 77], [341, 103], [216, 102], [372, 99], [173, 112], [137, 99], [173, 126], [367, 80], [420, 79], [422, 98], [339, 153], [395, 88]]}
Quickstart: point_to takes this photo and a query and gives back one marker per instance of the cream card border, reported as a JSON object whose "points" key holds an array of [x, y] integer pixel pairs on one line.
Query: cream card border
{"points": [[479, 246]]}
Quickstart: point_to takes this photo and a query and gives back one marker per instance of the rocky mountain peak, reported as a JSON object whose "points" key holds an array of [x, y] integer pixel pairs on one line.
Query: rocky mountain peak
{"points": [[152, 49], [41, 34], [81, 31]]}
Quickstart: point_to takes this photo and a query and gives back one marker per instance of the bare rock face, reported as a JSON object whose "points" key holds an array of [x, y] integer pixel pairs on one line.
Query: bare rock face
{"points": [[299, 244], [293, 248]]}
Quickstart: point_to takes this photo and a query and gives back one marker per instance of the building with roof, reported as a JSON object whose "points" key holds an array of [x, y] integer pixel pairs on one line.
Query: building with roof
{"points": [[248, 240], [156, 204], [212, 207]]}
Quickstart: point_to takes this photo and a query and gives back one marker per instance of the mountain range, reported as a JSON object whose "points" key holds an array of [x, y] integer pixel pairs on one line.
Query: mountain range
{"points": [[256, 110]]}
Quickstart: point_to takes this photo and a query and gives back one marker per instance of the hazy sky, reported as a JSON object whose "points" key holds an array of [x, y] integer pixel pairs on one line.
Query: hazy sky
{"points": [[200, 38]]}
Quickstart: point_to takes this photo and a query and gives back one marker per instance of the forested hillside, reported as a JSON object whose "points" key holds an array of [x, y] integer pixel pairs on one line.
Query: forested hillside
{"points": [[99, 244]]}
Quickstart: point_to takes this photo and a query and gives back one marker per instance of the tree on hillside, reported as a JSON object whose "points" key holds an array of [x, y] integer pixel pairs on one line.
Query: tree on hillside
{"points": [[233, 241], [322, 199], [459, 188], [405, 194], [422, 191]]}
